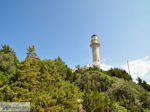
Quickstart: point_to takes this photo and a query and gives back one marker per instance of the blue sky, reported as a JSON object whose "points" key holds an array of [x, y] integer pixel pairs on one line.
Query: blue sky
{"points": [[64, 28]]}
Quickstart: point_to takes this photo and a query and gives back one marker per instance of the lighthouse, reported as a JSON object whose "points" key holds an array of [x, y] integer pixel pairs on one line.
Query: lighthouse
{"points": [[95, 49]]}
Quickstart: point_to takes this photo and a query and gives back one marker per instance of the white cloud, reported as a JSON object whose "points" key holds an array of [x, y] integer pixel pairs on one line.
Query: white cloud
{"points": [[139, 68], [105, 67], [101, 66]]}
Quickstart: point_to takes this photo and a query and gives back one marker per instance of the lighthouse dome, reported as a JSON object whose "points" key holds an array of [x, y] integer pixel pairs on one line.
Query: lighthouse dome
{"points": [[94, 37]]}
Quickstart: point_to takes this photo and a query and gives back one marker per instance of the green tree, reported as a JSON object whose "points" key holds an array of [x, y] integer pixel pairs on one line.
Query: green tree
{"points": [[95, 101], [116, 72], [8, 60], [51, 86], [61, 67], [127, 93], [143, 84]]}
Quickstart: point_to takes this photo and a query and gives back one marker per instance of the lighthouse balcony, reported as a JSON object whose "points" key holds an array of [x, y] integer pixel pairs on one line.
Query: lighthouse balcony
{"points": [[94, 41]]}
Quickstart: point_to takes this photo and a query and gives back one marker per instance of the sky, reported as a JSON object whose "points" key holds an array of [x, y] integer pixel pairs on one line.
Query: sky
{"points": [[64, 28]]}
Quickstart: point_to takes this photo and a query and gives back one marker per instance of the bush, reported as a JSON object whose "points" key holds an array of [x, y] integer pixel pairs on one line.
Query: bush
{"points": [[116, 72]]}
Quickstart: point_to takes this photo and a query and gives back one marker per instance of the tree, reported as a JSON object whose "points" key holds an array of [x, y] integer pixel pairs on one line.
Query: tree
{"points": [[127, 93], [95, 101], [8, 60], [51, 86], [143, 84], [139, 80], [7, 49], [61, 67], [116, 72]]}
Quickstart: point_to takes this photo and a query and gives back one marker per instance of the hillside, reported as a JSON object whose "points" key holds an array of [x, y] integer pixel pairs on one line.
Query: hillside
{"points": [[51, 86]]}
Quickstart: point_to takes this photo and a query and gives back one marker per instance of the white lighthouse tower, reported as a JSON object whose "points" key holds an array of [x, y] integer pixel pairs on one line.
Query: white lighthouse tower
{"points": [[95, 50]]}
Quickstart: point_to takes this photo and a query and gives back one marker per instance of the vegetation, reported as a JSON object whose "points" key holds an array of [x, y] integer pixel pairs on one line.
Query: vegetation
{"points": [[143, 84], [51, 86], [116, 72]]}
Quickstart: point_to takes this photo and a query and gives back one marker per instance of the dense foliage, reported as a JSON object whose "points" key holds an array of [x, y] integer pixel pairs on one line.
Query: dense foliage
{"points": [[143, 84], [51, 86], [116, 72]]}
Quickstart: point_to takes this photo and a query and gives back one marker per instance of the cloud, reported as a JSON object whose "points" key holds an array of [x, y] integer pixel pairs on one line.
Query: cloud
{"points": [[101, 66], [105, 67], [139, 68]]}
